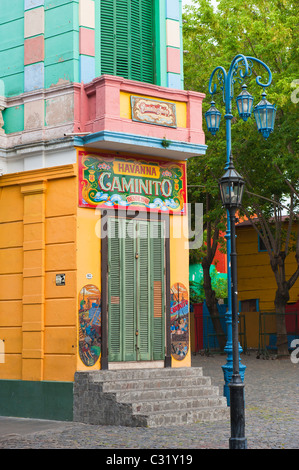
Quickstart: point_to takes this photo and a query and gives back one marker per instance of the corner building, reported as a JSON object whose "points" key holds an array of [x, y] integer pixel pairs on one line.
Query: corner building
{"points": [[95, 133]]}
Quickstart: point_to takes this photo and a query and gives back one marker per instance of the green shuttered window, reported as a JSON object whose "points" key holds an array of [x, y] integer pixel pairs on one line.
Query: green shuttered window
{"points": [[126, 39]]}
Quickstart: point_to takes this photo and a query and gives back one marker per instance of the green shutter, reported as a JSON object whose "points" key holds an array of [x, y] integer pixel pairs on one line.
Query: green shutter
{"points": [[158, 279], [128, 272], [136, 41], [107, 25], [144, 293], [127, 39], [147, 41], [122, 38], [114, 291]]}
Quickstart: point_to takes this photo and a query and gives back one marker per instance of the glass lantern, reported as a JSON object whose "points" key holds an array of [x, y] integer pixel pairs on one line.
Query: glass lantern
{"points": [[264, 113], [244, 103], [231, 187], [213, 118]]}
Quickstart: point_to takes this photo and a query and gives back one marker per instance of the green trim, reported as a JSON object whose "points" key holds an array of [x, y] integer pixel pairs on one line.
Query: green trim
{"points": [[40, 400], [13, 119], [135, 332], [11, 11], [160, 43], [51, 4], [182, 46], [97, 38]]}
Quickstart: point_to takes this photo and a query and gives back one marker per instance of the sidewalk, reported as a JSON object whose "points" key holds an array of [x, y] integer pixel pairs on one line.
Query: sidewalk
{"points": [[271, 418]]}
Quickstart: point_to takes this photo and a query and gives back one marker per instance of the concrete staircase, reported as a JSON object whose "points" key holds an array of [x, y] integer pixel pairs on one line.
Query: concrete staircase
{"points": [[147, 397]]}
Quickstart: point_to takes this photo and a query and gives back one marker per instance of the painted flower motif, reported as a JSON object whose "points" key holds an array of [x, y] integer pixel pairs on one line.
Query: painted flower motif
{"points": [[167, 173], [104, 166]]}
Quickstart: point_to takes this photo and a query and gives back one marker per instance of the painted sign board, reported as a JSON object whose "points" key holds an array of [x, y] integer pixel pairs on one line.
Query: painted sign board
{"points": [[111, 181], [162, 113]]}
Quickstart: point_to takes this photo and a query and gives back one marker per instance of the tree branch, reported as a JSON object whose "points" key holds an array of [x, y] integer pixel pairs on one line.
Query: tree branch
{"points": [[286, 249], [286, 180]]}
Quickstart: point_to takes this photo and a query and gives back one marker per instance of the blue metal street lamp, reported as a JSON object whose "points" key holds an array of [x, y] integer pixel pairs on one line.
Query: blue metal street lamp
{"points": [[231, 190]]}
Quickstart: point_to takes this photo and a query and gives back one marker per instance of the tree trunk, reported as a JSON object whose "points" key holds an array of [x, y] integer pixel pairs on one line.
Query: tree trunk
{"points": [[212, 304], [281, 299]]}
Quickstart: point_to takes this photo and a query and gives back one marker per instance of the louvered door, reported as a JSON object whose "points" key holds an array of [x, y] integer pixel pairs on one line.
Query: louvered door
{"points": [[136, 287]]}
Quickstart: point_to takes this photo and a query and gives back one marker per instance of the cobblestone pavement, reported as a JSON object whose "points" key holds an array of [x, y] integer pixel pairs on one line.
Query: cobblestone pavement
{"points": [[271, 418]]}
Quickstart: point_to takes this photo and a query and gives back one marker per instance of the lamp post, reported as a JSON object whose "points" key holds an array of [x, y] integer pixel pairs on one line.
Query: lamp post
{"points": [[264, 112], [231, 190]]}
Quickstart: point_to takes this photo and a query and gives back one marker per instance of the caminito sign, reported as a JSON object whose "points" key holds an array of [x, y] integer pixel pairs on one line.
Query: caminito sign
{"points": [[110, 181]]}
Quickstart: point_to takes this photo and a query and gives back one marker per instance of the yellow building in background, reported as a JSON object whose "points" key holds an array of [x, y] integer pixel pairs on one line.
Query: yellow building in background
{"points": [[257, 285]]}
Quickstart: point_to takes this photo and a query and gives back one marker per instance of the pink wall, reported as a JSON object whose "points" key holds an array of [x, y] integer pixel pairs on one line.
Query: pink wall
{"points": [[97, 108]]}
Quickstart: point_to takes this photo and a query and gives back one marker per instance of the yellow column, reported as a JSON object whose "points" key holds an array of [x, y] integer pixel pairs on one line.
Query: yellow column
{"points": [[33, 280]]}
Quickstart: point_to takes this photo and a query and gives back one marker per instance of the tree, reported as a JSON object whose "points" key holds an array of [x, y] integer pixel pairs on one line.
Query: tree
{"points": [[266, 30], [213, 226], [219, 285]]}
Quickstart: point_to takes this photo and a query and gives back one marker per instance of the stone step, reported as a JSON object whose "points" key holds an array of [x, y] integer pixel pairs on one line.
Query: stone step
{"points": [[186, 417], [132, 374], [127, 396], [175, 405], [157, 383], [147, 397]]}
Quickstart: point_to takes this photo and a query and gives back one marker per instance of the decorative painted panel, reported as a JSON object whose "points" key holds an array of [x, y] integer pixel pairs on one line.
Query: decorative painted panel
{"points": [[179, 311], [90, 328]]}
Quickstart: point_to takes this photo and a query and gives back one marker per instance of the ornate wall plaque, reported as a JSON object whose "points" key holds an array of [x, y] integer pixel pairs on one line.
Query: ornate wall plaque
{"points": [[152, 111]]}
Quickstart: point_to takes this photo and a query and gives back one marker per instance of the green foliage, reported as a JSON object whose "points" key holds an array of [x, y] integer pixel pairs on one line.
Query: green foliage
{"points": [[219, 285], [268, 31]]}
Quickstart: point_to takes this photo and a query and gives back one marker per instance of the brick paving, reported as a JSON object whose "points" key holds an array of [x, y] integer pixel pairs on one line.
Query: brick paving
{"points": [[271, 418]]}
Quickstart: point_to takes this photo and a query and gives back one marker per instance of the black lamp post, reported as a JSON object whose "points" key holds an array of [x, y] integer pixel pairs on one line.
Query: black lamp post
{"points": [[231, 190]]}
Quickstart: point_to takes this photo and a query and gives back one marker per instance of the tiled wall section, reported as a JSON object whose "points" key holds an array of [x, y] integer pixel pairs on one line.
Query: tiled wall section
{"points": [[12, 47], [42, 52], [61, 42], [87, 40], [174, 43], [34, 31], [53, 42], [12, 60]]}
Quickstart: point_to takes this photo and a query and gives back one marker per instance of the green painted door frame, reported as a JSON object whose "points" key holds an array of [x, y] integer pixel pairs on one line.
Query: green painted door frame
{"points": [[136, 290]]}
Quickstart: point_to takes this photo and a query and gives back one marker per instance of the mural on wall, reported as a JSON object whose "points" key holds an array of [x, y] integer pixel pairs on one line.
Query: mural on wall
{"points": [[90, 324], [179, 321], [111, 181]]}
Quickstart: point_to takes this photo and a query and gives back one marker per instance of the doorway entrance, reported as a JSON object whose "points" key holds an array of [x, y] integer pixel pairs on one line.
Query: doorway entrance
{"points": [[136, 290]]}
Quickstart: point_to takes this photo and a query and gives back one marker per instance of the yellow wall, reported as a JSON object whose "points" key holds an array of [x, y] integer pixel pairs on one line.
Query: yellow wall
{"points": [[38, 240], [179, 267], [44, 233], [88, 259], [256, 280]]}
